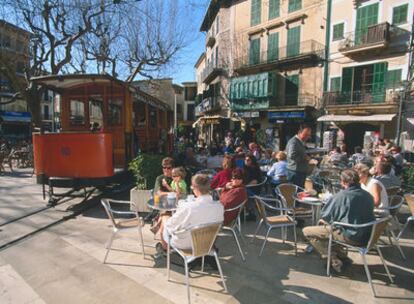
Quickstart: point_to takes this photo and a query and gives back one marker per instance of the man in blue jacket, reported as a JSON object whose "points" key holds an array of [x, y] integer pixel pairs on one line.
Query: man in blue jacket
{"points": [[353, 206]]}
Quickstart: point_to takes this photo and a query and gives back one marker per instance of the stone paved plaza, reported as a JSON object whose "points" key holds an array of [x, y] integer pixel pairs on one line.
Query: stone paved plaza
{"points": [[63, 264]]}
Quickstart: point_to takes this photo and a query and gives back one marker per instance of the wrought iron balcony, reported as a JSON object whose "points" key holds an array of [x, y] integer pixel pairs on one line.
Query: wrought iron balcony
{"points": [[292, 56], [361, 97], [374, 37], [211, 71]]}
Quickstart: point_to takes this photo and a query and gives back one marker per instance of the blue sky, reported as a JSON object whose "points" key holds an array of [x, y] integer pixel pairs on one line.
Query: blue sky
{"points": [[184, 69]]}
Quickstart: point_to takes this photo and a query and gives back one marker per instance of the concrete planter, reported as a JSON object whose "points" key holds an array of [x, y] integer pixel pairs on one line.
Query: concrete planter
{"points": [[140, 199]]}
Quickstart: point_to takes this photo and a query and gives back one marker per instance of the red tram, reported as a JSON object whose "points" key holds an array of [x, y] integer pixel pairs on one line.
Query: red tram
{"points": [[102, 123]]}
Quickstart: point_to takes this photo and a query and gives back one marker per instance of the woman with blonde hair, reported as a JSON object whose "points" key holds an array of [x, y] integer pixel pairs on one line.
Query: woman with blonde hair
{"points": [[224, 176], [373, 186]]}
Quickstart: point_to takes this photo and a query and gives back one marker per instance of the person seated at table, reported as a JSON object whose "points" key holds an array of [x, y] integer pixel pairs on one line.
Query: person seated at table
{"points": [[267, 159], [254, 149], [337, 158], [167, 164], [398, 159], [383, 170], [352, 206], [233, 194], [202, 210], [239, 158], [224, 176], [178, 184], [252, 172], [359, 157], [278, 172], [373, 187]]}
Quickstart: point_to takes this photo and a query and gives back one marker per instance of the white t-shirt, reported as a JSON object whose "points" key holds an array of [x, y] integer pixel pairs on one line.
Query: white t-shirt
{"points": [[370, 186]]}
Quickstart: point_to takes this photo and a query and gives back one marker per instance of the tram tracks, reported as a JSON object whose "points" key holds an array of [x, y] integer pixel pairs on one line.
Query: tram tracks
{"points": [[25, 226]]}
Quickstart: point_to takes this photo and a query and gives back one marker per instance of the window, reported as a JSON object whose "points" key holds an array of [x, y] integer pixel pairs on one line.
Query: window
{"points": [[217, 24], [366, 16], [190, 112], [393, 78], [273, 47], [256, 11], [338, 31], [115, 112], [293, 41], [335, 84], [95, 112], [46, 112], [179, 108], [153, 117], [292, 89], [254, 55], [77, 113], [294, 5], [6, 41], [190, 93], [399, 14], [274, 9]]}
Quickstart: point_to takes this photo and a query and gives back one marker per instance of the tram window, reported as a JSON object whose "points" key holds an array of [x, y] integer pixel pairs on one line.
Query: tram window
{"points": [[96, 113], [115, 112], [77, 113]]}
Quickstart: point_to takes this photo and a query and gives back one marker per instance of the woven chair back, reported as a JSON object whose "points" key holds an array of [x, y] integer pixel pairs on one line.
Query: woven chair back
{"points": [[203, 238], [392, 190], [409, 198], [288, 191]]}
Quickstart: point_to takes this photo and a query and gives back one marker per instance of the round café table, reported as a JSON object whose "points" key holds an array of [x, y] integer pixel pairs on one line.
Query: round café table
{"points": [[164, 204], [315, 203]]}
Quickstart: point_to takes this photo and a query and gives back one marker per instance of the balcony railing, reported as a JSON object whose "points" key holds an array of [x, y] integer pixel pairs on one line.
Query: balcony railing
{"points": [[211, 71], [290, 55], [372, 37], [361, 97], [250, 104]]}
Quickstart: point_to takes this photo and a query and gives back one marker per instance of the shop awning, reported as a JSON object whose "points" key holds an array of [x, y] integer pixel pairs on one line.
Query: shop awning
{"points": [[15, 116], [411, 120], [355, 118], [209, 120]]}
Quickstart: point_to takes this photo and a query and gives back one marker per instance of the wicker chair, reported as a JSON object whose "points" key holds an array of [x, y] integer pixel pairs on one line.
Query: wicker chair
{"points": [[378, 228], [409, 198], [287, 193], [283, 220], [135, 222], [236, 225], [202, 241]]}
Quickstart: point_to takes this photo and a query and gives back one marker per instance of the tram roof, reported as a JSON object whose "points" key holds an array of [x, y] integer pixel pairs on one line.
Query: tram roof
{"points": [[62, 82]]}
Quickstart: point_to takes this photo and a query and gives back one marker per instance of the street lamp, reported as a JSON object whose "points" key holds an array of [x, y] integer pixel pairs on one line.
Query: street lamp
{"points": [[402, 88]]}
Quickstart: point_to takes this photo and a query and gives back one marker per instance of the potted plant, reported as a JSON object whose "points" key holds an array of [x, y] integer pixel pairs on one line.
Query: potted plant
{"points": [[145, 168], [408, 178]]}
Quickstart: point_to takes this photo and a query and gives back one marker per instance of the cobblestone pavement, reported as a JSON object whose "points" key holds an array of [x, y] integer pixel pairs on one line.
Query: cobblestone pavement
{"points": [[63, 264]]}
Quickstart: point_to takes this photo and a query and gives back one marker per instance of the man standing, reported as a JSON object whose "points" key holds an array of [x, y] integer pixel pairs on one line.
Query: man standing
{"points": [[352, 206], [297, 158]]}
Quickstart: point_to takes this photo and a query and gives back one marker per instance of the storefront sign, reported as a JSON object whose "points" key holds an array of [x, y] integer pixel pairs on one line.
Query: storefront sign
{"points": [[286, 115], [211, 121], [15, 116], [248, 114]]}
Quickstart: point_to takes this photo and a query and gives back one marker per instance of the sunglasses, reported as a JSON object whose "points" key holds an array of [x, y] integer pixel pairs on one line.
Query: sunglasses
{"points": [[167, 168], [175, 176]]}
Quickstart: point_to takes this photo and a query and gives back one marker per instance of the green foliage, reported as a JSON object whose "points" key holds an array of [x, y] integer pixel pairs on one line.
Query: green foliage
{"points": [[408, 177], [146, 168]]}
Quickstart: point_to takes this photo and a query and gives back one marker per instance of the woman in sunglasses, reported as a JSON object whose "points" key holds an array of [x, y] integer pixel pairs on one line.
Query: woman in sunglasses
{"points": [[233, 194], [165, 178]]}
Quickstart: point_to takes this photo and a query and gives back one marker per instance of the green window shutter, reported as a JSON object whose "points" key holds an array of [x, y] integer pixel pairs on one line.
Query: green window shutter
{"points": [[393, 78], [366, 16], [347, 82], [338, 31], [378, 82], [399, 14], [294, 5], [255, 12], [293, 41], [274, 9], [335, 84], [254, 55], [292, 89], [273, 47]]}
